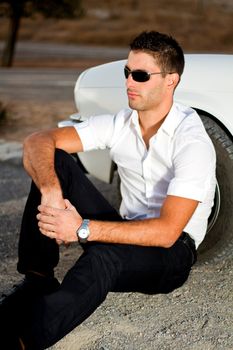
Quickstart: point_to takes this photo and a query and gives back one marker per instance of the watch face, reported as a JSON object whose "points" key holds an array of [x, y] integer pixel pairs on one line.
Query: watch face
{"points": [[83, 233]]}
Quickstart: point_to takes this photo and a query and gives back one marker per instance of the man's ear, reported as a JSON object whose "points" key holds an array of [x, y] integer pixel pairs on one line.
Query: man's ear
{"points": [[172, 80]]}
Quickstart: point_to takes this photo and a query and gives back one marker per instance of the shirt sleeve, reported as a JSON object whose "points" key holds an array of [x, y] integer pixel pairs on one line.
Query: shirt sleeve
{"points": [[193, 164], [96, 132]]}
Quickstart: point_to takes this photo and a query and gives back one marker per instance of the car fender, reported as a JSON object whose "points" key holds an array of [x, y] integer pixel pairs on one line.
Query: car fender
{"points": [[206, 85]]}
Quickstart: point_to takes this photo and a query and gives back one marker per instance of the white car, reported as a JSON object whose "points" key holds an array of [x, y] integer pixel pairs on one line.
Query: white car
{"points": [[207, 86]]}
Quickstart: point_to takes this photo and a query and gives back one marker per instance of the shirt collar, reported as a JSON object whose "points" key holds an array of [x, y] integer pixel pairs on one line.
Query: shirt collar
{"points": [[171, 122], [134, 118]]}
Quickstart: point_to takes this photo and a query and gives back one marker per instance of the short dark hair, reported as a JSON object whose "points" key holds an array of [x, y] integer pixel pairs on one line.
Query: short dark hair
{"points": [[165, 49]]}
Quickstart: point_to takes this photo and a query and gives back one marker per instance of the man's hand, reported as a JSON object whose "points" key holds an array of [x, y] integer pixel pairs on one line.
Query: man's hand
{"points": [[59, 223], [54, 199]]}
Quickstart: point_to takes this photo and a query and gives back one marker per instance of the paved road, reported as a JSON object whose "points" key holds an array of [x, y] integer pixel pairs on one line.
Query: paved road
{"points": [[50, 83], [32, 50], [37, 83]]}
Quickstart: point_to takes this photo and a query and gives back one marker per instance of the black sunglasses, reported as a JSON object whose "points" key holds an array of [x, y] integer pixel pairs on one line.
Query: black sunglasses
{"points": [[140, 75]]}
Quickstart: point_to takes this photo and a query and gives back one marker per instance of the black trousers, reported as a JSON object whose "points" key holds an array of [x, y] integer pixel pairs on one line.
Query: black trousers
{"points": [[100, 269]]}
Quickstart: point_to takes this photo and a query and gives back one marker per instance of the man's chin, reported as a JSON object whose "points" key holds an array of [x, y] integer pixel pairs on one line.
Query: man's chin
{"points": [[132, 104]]}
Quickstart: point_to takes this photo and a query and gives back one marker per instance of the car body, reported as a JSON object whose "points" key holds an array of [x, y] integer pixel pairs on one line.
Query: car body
{"points": [[207, 86]]}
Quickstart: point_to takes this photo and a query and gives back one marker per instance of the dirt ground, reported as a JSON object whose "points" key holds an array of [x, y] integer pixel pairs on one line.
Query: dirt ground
{"points": [[23, 118]]}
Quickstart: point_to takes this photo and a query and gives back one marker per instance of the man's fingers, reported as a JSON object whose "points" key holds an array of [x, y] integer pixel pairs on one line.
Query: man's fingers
{"points": [[47, 233], [47, 227], [59, 241], [68, 204], [48, 219], [48, 210], [60, 224], [51, 235]]}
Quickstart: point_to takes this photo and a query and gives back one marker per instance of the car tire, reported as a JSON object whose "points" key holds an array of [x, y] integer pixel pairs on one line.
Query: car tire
{"points": [[219, 238]]}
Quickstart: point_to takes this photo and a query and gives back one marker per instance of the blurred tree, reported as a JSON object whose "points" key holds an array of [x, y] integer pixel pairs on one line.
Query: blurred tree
{"points": [[15, 9]]}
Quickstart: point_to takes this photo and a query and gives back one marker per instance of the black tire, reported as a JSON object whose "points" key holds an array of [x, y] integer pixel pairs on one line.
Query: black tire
{"points": [[219, 238]]}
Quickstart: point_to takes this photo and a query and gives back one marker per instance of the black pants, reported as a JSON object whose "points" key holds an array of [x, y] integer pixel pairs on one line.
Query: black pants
{"points": [[100, 269]]}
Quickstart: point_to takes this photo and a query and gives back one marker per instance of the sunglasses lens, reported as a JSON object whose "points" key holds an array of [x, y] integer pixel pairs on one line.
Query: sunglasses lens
{"points": [[140, 76], [126, 72], [137, 75]]}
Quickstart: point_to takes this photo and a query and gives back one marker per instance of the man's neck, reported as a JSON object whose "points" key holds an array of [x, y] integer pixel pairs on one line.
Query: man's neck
{"points": [[150, 121]]}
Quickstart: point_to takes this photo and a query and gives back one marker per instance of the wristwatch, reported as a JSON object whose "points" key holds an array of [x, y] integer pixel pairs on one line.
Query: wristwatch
{"points": [[83, 231]]}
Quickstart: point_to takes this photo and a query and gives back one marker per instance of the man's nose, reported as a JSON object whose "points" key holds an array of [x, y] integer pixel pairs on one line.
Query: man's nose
{"points": [[129, 81]]}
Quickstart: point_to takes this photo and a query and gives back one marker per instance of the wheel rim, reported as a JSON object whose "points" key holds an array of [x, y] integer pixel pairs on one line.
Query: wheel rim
{"points": [[215, 210]]}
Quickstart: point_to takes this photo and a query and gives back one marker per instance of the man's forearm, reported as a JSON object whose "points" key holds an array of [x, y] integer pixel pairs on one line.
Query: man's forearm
{"points": [[158, 232], [150, 232], [38, 159]]}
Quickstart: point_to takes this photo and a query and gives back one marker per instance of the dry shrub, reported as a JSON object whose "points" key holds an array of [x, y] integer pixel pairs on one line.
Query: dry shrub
{"points": [[25, 118]]}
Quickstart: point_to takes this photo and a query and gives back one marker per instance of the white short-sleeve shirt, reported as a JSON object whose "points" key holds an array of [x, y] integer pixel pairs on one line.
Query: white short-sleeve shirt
{"points": [[180, 161]]}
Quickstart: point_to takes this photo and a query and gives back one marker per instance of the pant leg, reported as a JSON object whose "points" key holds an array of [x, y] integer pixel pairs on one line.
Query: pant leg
{"points": [[154, 270], [39, 253], [76, 187], [103, 268], [83, 289], [36, 252]]}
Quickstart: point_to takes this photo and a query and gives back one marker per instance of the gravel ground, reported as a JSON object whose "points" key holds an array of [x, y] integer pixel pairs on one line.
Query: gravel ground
{"points": [[196, 316]]}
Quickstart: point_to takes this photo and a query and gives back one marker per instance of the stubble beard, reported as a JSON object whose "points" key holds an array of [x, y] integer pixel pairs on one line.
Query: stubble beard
{"points": [[136, 105]]}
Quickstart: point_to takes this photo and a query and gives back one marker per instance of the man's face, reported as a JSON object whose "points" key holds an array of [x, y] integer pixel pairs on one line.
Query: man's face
{"points": [[146, 96]]}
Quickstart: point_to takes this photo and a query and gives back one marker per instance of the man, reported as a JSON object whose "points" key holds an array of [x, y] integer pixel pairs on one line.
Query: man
{"points": [[166, 163]]}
